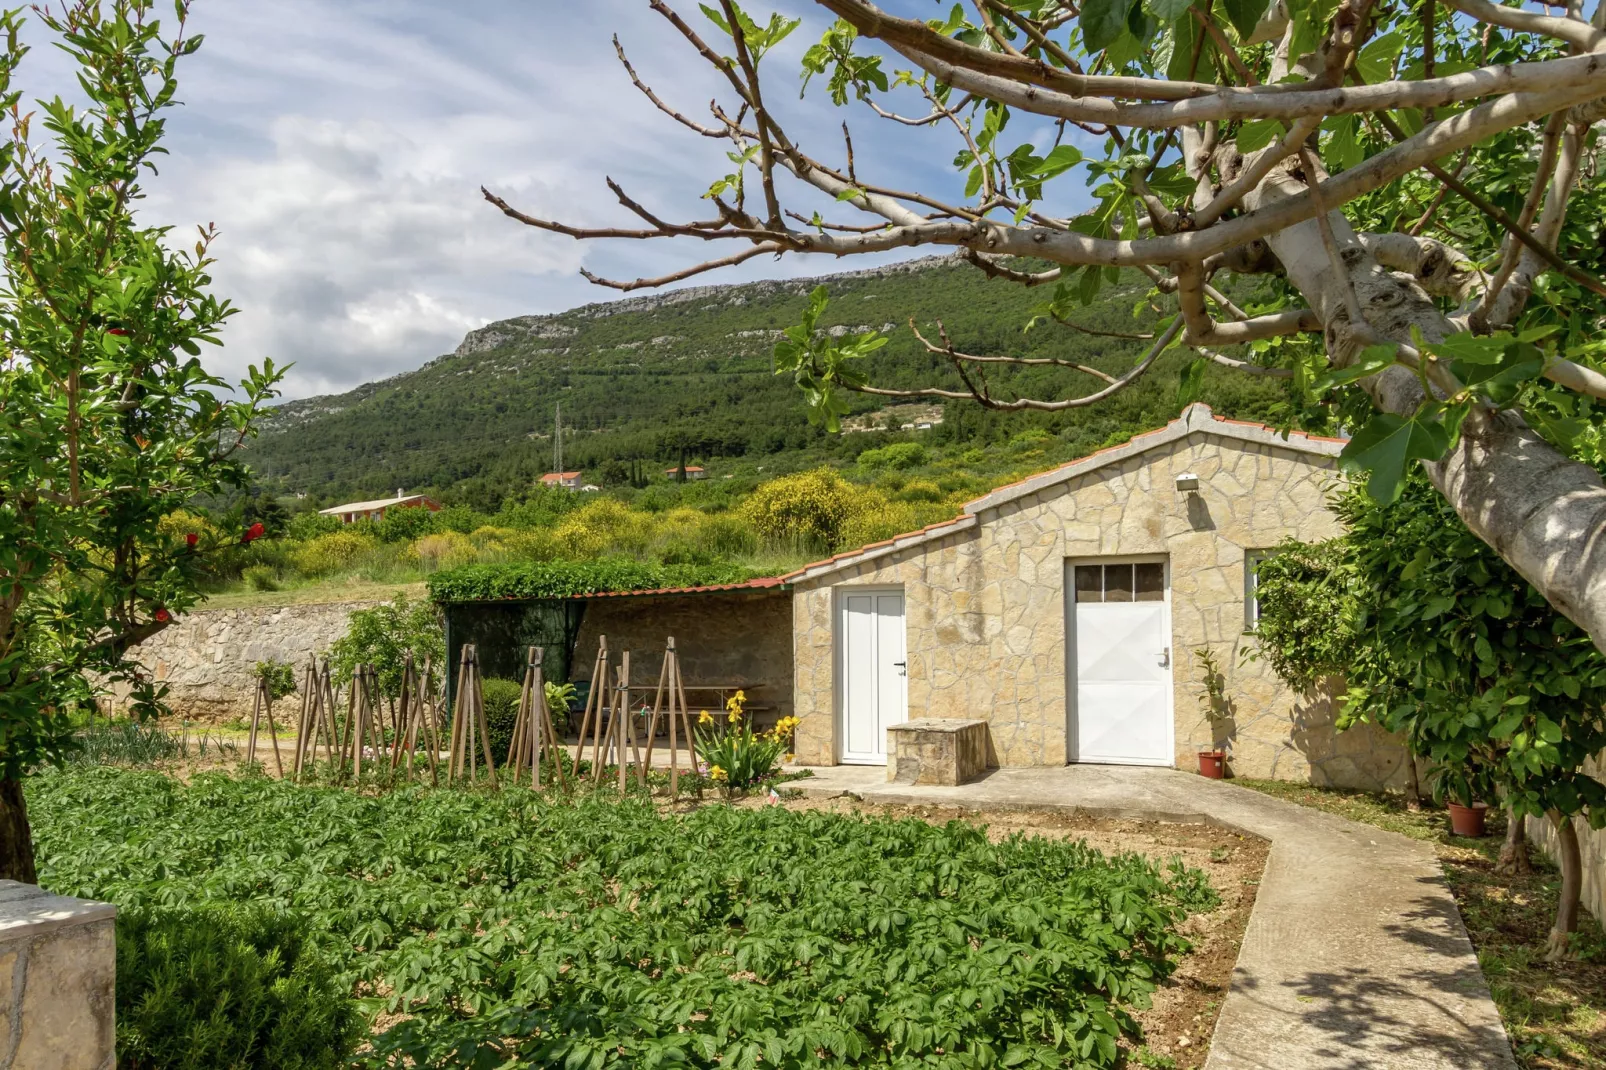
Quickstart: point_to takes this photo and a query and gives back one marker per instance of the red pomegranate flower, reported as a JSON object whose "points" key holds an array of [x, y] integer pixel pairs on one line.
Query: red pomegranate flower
{"points": [[117, 331], [191, 539], [163, 616], [255, 531]]}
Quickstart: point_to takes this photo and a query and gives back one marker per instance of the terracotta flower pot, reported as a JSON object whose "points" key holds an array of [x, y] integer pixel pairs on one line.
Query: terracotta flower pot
{"points": [[1213, 764], [1468, 820]]}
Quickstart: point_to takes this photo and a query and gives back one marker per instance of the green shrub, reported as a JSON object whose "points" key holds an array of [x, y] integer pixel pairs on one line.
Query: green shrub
{"points": [[726, 535], [899, 455], [809, 509], [405, 525], [227, 987], [383, 636], [501, 710], [280, 677], [308, 526], [333, 552], [461, 519], [261, 578], [563, 579]]}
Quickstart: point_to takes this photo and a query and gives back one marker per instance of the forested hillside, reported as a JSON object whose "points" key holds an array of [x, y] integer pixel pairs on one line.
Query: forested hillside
{"points": [[645, 381]]}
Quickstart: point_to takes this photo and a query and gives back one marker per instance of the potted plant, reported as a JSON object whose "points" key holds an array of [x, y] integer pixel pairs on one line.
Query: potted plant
{"points": [[1467, 820], [1213, 762]]}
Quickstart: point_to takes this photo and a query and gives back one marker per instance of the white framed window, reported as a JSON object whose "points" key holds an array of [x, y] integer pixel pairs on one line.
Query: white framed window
{"points": [[1252, 560]]}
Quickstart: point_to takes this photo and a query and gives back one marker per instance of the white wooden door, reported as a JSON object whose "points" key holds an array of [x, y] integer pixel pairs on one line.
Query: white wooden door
{"points": [[1121, 645], [875, 678]]}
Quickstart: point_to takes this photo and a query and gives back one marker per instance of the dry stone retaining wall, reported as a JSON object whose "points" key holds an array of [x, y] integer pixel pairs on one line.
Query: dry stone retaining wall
{"points": [[206, 658]]}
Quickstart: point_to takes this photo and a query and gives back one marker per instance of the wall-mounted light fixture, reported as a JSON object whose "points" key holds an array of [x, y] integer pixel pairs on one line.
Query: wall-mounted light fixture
{"points": [[1188, 481]]}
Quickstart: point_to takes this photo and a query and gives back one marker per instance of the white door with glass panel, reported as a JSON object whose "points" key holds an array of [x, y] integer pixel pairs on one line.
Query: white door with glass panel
{"points": [[875, 678], [1120, 647]]}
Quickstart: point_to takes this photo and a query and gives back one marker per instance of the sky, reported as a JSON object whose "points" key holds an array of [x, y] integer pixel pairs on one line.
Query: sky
{"points": [[339, 147]]}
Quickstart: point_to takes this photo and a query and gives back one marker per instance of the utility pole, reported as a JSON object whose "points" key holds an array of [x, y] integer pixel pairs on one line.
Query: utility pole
{"points": [[557, 440]]}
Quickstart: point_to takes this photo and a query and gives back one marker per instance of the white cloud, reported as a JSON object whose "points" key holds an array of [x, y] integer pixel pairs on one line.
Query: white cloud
{"points": [[340, 149]]}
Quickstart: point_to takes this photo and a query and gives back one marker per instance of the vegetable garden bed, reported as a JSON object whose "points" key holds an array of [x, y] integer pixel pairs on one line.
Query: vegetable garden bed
{"points": [[600, 931]]}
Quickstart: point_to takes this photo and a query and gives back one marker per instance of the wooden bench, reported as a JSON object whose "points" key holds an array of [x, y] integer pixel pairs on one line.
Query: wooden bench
{"points": [[936, 750]]}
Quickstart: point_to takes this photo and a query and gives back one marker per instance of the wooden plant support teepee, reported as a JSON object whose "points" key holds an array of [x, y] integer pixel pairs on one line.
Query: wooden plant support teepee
{"points": [[317, 717], [591, 718], [533, 737], [263, 704], [671, 701], [468, 722], [617, 742], [415, 717]]}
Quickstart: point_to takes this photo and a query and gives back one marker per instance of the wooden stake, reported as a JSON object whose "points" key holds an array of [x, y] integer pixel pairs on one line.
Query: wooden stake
{"points": [[309, 690], [256, 715], [266, 697], [458, 705], [593, 706]]}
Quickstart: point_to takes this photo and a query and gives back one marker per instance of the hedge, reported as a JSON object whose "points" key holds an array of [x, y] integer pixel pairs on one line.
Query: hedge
{"points": [[568, 579]]}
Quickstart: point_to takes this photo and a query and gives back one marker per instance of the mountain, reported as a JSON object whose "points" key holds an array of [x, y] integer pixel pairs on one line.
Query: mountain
{"points": [[646, 381]]}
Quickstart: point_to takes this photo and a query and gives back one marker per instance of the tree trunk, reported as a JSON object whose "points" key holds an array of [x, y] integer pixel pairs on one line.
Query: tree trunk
{"points": [[16, 838], [1514, 860], [1572, 882], [1539, 510], [1413, 784]]}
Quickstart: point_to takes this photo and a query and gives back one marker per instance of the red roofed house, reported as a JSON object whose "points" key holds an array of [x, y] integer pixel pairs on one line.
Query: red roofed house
{"points": [[693, 471], [566, 480]]}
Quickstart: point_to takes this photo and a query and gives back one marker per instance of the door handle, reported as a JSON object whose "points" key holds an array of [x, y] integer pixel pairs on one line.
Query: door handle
{"points": [[902, 667], [1165, 658]]}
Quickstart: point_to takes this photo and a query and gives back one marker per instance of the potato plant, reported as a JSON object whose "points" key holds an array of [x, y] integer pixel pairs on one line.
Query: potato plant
{"points": [[516, 929]]}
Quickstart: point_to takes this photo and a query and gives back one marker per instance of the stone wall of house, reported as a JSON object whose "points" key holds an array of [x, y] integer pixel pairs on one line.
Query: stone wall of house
{"points": [[58, 973], [721, 638], [206, 658], [985, 611]]}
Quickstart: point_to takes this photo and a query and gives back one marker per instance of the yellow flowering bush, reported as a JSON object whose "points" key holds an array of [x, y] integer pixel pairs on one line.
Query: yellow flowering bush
{"points": [[444, 550], [333, 552]]}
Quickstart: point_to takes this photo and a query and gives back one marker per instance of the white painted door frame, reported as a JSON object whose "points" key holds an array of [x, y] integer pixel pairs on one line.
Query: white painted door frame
{"points": [[879, 648], [1072, 676]]}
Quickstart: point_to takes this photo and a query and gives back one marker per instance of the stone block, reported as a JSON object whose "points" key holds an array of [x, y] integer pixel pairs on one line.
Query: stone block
{"points": [[936, 750], [58, 972]]}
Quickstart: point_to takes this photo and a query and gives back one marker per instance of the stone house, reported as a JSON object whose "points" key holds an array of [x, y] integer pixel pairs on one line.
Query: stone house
{"points": [[1069, 611]]}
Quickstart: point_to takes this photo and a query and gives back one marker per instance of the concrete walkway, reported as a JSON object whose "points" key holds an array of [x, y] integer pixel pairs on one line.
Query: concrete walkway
{"points": [[1355, 957]]}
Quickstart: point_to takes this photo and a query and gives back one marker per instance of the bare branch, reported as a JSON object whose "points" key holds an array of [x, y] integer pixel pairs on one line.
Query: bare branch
{"points": [[1244, 365], [1581, 35], [1282, 102], [591, 232], [1513, 252], [914, 34], [706, 131], [684, 273], [1258, 167], [947, 349], [1161, 344]]}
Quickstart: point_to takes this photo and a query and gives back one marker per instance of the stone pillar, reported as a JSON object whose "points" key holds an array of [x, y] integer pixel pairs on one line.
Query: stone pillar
{"points": [[58, 973]]}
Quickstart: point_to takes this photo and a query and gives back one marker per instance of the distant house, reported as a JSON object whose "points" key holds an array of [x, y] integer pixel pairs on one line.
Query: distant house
{"points": [[566, 480], [693, 471], [375, 510]]}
